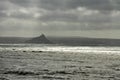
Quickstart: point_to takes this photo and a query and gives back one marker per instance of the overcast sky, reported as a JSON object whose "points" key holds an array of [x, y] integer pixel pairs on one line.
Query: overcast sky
{"points": [[87, 18]]}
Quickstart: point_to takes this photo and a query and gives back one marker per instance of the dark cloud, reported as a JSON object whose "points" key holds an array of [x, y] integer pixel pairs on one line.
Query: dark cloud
{"points": [[71, 4], [62, 6], [59, 16], [63, 15], [3, 5], [21, 2], [76, 16], [92, 4]]}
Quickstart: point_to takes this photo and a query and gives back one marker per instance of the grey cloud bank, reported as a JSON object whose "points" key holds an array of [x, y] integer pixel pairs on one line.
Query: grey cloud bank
{"points": [[73, 17]]}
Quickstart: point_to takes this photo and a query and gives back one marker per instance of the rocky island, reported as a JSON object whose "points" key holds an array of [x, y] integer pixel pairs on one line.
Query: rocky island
{"points": [[40, 39]]}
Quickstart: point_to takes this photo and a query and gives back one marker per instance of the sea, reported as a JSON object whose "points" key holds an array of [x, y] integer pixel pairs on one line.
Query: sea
{"points": [[61, 48], [59, 62]]}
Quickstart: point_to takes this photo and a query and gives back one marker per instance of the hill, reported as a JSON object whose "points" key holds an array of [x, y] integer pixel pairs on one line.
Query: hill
{"points": [[41, 39]]}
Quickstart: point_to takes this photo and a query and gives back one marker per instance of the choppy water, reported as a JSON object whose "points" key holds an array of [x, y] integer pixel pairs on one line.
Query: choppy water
{"points": [[56, 48], [53, 62]]}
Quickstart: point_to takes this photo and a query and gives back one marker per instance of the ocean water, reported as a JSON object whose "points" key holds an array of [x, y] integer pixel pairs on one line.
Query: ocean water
{"points": [[58, 62], [57, 48]]}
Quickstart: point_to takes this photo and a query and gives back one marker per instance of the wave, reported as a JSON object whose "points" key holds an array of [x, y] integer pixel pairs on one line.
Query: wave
{"points": [[56, 48]]}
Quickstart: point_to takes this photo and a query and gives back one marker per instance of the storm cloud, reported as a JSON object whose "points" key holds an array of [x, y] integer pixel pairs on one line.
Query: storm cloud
{"points": [[71, 4], [48, 16]]}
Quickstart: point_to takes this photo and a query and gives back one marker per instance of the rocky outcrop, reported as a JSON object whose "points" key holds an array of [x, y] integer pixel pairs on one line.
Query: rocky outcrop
{"points": [[41, 39]]}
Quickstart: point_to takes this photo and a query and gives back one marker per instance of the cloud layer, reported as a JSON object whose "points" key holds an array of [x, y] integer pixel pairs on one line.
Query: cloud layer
{"points": [[58, 15]]}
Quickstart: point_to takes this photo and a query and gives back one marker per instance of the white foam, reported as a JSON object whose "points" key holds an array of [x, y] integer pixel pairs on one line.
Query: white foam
{"points": [[50, 48]]}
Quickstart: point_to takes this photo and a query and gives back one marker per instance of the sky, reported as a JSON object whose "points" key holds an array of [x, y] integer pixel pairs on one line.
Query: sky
{"points": [[81, 18]]}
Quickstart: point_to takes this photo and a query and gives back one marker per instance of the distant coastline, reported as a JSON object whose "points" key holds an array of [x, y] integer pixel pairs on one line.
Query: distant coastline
{"points": [[78, 41]]}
